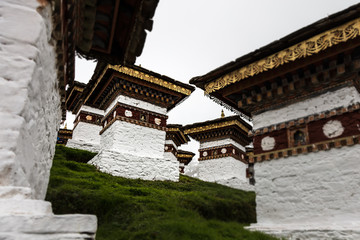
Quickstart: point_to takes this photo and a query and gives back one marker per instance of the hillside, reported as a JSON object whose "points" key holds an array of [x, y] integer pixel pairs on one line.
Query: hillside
{"points": [[137, 209]]}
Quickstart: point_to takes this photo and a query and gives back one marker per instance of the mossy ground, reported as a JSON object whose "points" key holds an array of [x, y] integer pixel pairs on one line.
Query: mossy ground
{"points": [[137, 209]]}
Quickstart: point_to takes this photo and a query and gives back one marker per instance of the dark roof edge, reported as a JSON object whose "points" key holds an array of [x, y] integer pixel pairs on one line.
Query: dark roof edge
{"points": [[291, 39], [218, 120]]}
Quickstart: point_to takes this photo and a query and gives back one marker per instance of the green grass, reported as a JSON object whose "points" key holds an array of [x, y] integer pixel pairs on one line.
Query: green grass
{"points": [[137, 209]]}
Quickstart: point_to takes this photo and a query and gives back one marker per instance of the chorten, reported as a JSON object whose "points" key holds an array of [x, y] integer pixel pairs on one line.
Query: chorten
{"points": [[184, 158], [87, 124], [135, 102], [175, 137], [302, 93], [222, 150]]}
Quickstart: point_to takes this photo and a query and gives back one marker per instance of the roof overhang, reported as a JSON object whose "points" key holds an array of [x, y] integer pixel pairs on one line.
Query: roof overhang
{"points": [[250, 78], [135, 82]]}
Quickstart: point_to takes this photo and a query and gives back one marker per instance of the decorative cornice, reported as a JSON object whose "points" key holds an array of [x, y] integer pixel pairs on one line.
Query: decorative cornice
{"points": [[216, 126], [303, 49], [142, 76], [228, 150], [332, 129], [181, 133], [134, 115], [304, 149]]}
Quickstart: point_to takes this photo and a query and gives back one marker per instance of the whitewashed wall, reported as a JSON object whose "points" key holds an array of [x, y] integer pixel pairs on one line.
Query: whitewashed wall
{"points": [[133, 151], [327, 101], [314, 195], [133, 139], [306, 187], [227, 171], [131, 166], [136, 103], [221, 142], [86, 136], [29, 119], [30, 102]]}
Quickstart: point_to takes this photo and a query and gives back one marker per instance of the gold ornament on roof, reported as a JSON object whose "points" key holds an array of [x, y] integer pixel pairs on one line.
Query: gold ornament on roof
{"points": [[222, 113], [216, 126], [303, 49]]}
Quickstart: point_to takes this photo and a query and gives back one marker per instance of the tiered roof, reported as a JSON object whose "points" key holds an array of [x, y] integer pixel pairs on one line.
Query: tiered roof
{"points": [[109, 30], [111, 80], [233, 127], [312, 60], [175, 133]]}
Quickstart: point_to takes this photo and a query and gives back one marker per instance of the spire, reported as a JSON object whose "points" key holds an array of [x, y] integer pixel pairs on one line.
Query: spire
{"points": [[65, 126], [222, 113]]}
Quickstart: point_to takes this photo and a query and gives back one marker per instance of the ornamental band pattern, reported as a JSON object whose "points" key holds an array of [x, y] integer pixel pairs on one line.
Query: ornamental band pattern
{"points": [[304, 49]]}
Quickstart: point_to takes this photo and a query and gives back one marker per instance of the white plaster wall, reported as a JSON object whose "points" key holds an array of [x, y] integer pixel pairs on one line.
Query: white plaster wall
{"points": [[133, 139], [30, 103], [313, 188], [134, 166], [29, 119], [90, 109], [86, 137], [221, 142], [222, 170], [136, 103], [327, 101], [350, 231]]}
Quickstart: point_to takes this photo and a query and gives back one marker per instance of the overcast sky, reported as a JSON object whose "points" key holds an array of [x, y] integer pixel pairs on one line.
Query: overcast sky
{"points": [[192, 37]]}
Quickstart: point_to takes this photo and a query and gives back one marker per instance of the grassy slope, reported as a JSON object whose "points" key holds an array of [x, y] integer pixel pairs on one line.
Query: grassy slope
{"points": [[136, 209]]}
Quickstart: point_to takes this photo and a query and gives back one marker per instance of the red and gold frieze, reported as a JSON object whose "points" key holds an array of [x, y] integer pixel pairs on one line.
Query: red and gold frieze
{"points": [[134, 115], [331, 129], [222, 151], [88, 117], [309, 47]]}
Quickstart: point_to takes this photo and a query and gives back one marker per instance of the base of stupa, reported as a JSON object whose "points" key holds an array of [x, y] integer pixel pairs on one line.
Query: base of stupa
{"points": [[312, 230], [136, 167], [83, 145]]}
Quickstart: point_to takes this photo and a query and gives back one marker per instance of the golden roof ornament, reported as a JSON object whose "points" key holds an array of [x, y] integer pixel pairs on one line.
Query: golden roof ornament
{"points": [[222, 113], [65, 126]]}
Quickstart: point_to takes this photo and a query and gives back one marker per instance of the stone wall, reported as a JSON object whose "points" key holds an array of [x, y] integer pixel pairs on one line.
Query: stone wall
{"points": [[30, 102]]}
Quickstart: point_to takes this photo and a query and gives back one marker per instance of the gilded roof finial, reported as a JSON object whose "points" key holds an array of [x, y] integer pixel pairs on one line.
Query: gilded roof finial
{"points": [[65, 126], [222, 113]]}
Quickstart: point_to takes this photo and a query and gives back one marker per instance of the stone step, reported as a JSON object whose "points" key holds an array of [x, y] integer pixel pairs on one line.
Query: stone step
{"points": [[24, 207]]}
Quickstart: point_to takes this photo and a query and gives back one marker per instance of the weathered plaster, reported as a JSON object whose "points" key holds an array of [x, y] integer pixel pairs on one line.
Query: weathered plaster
{"points": [[86, 137], [29, 119], [221, 142], [327, 101]]}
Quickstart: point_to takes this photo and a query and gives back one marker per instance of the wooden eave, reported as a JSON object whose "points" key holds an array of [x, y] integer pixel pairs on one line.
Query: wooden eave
{"points": [[303, 34], [107, 84], [219, 128], [117, 30], [175, 133]]}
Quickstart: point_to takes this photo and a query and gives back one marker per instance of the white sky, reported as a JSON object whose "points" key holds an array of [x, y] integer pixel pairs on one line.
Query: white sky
{"points": [[192, 37]]}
